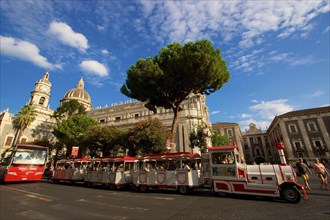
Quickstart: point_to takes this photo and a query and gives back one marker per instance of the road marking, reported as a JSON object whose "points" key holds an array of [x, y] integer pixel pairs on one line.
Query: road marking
{"points": [[39, 197], [115, 206], [31, 194], [142, 196]]}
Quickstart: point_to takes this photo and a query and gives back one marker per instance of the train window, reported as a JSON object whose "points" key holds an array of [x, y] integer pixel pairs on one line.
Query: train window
{"points": [[223, 158]]}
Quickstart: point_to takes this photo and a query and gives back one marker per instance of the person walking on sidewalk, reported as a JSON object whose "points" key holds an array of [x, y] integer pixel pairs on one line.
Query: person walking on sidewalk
{"points": [[302, 170], [322, 173]]}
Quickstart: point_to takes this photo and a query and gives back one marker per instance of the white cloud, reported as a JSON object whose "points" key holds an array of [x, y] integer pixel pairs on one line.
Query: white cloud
{"points": [[326, 30], [104, 51], [264, 113], [248, 20], [67, 36], [246, 115], [24, 50], [263, 124], [292, 59], [93, 67], [214, 112], [249, 62], [270, 109], [314, 95], [100, 28]]}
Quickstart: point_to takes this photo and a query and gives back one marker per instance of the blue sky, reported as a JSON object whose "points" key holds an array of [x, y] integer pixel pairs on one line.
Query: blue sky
{"points": [[277, 52]]}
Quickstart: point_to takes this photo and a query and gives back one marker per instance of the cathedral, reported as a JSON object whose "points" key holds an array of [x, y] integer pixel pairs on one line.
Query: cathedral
{"points": [[124, 114]]}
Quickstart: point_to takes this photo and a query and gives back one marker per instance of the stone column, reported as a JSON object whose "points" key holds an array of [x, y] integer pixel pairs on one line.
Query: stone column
{"points": [[306, 139], [324, 133], [286, 142]]}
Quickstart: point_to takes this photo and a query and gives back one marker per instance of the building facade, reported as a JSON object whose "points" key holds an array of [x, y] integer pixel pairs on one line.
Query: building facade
{"points": [[194, 112], [40, 127], [123, 115], [305, 133], [257, 148], [231, 130]]}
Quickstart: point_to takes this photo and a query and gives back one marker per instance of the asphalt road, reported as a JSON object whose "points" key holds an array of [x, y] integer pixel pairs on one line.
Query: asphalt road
{"points": [[62, 201]]}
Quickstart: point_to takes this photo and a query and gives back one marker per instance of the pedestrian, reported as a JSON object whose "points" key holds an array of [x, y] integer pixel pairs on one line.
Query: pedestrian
{"points": [[322, 173], [302, 170]]}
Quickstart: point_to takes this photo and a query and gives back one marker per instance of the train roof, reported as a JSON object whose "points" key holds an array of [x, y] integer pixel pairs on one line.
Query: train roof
{"points": [[30, 146], [222, 148], [170, 155]]}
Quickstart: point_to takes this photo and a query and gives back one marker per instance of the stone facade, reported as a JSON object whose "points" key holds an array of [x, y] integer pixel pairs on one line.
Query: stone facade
{"points": [[125, 114], [194, 112], [231, 130], [256, 146], [305, 133], [40, 127]]}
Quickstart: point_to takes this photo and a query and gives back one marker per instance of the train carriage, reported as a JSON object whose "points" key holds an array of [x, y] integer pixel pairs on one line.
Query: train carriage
{"points": [[112, 171], [228, 173], [167, 171], [71, 170], [220, 169]]}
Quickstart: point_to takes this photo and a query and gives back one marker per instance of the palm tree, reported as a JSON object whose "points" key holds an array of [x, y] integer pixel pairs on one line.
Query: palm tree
{"points": [[23, 119]]}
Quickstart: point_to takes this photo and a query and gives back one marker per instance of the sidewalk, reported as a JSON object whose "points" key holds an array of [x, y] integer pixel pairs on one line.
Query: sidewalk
{"points": [[315, 183]]}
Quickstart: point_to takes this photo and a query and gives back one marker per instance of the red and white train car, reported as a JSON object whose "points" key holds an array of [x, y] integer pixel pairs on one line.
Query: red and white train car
{"points": [[225, 172], [71, 170], [220, 169], [113, 171], [169, 170]]}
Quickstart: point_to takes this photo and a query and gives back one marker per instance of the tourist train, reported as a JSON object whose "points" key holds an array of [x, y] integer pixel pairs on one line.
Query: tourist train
{"points": [[220, 169]]}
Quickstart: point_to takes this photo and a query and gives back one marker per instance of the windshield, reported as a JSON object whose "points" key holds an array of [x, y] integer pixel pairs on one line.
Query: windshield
{"points": [[25, 156]]}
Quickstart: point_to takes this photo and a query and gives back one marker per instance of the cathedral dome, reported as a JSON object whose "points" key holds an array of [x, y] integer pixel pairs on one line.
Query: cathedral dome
{"points": [[79, 94]]}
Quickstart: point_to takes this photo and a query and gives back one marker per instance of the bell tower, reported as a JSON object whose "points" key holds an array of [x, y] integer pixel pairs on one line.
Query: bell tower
{"points": [[41, 93], [40, 96]]}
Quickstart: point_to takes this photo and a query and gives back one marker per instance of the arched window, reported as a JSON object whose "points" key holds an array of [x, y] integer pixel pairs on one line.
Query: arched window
{"points": [[42, 100]]}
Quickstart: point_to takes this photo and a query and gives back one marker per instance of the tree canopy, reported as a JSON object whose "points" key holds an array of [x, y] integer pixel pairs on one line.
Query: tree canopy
{"points": [[220, 140], [198, 138], [167, 79], [23, 119], [148, 136], [68, 109], [72, 130], [104, 138]]}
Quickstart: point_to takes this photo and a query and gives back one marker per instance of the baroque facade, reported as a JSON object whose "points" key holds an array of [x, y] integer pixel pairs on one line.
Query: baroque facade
{"points": [[257, 147], [125, 114], [40, 127], [305, 133]]}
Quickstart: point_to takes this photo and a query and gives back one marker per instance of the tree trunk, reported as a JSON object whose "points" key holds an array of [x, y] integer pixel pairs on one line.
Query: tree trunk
{"points": [[20, 132], [174, 123]]}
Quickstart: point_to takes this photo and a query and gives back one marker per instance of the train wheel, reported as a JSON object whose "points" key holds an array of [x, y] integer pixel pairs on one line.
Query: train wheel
{"points": [[183, 190], [222, 194], [291, 194], [88, 184], [143, 188], [112, 187]]}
